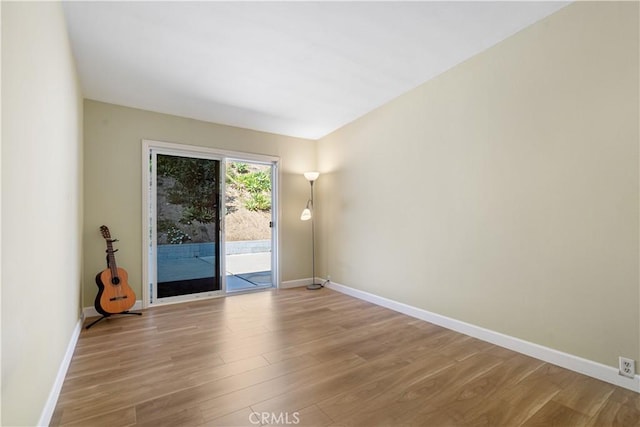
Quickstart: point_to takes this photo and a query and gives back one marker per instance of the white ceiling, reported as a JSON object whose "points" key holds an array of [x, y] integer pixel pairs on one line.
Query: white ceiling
{"points": [[293, 68]]}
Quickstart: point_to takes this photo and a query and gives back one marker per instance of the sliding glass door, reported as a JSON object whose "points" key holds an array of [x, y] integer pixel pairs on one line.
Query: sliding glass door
{"points": [[186, 194], [209, 221]]}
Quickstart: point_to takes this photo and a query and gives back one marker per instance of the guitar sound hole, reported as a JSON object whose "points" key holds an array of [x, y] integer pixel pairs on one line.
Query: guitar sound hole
{"points": [[115, 280]]}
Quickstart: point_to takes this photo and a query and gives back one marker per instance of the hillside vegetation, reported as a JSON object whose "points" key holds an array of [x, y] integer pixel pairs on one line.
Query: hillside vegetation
{"points": [[187, 200], [248, 202]]}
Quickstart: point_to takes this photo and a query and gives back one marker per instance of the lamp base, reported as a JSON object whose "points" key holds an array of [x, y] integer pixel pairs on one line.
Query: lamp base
{"points": [[314, 286]]}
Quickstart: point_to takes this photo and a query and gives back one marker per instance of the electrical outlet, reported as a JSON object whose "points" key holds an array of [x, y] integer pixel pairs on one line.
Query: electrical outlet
{"points": [[627, 367]]}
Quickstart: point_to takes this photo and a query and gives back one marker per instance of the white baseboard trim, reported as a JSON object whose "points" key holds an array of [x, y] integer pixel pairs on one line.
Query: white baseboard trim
{"points": [[298, 283], [92, 312], [52, 400], [565, 360]]}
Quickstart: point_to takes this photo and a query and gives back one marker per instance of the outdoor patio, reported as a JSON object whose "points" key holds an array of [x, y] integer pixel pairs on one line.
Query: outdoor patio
{"points": [[247, 266]]}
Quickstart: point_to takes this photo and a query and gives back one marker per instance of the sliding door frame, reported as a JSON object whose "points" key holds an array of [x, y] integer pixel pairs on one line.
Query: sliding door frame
{"points": [[149, 232]]}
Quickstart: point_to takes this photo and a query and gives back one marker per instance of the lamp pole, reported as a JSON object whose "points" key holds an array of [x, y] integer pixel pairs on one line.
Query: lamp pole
{"points": [[310, 214], [313, 284]]}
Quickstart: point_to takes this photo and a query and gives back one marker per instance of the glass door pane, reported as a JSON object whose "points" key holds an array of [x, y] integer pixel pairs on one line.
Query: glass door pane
{"points": [[248, 226], [187, 225]]}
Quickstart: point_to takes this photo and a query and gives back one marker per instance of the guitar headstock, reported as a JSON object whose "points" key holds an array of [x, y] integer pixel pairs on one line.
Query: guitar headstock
{"points": [[105, 232]]}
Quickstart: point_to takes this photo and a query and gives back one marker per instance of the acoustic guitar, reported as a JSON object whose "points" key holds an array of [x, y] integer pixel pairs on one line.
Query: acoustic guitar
{"points": [[114, 293]]}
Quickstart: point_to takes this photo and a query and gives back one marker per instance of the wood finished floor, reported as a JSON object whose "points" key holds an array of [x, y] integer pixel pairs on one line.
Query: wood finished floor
{"points": [[320, 358]]}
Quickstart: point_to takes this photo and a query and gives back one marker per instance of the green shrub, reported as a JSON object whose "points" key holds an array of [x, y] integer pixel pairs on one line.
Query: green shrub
{"points": [[176, 236], [256, 182], [258, 202], [241, 167]]}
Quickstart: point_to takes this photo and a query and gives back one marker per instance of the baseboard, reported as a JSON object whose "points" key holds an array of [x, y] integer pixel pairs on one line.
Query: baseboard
{"points": [[565, 360], [92, 312], [298, 283], [52, 400]]}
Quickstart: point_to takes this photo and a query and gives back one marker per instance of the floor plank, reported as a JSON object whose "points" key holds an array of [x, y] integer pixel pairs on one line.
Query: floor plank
{"points": [[320, 359]]}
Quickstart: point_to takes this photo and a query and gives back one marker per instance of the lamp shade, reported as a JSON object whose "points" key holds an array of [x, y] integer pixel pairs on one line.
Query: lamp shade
{"points": [[311, 176], [306, 214]]}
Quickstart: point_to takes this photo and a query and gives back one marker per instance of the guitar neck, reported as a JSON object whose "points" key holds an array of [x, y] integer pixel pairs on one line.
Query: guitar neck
{"points": [[111, 259]]}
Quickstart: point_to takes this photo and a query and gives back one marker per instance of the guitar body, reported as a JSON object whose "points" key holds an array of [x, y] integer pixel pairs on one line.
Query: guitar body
{"points": [[114, 293], [114, 296]]}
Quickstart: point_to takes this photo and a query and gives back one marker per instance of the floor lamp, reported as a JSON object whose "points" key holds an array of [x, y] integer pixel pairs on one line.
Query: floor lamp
{"points": [[309, 214]]}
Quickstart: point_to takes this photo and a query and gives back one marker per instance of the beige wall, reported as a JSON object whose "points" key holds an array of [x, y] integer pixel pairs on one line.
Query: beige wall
{"points": [[113, 183], [41, 205], [503, 193]]}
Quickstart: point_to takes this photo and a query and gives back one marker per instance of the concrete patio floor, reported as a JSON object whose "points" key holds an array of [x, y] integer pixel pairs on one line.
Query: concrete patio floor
{"points": [[243, 271]]}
